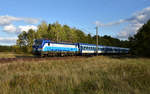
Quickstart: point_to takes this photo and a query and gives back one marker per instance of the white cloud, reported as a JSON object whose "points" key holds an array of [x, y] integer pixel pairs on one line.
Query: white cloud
{"points": [[135, 22], [27, 27], [138, 17], [109, 24], [8, 40], [7, 20], [10, 28], [7, 25], [30, 20], [128, 31], [13, 29]]}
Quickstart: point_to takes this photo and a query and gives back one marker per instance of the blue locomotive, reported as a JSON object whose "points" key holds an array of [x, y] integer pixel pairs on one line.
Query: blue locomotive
{"points": [[45, 47]]}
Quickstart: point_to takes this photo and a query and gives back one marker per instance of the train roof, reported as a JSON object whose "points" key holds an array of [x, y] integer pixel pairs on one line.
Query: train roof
{"points": [[49, 41], [101, 45], [66, 43], [45, 40]]}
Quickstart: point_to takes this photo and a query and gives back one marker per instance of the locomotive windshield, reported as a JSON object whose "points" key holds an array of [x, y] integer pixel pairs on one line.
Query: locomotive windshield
{"points": [[38, 42]]}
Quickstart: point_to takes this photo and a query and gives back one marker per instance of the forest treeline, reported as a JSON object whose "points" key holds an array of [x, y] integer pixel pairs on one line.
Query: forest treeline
{"points": [[63, 33], [139, 43]]}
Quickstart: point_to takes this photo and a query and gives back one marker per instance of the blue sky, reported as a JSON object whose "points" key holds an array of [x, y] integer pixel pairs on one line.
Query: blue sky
{"points": [[114, 17]]}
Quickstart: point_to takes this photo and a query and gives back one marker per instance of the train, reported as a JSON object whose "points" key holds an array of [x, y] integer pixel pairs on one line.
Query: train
{"points": [[46, 47]]}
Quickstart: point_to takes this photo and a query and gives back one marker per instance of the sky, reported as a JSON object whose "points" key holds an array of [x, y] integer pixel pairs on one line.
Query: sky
{"points": [[116, 18]]}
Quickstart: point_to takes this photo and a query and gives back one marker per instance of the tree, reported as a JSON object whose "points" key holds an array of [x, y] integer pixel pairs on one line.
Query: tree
{"points": [[22, 39], [42, 30], [25, 40], [57, 32], [80, 36], [89, 39], [140, 42]]}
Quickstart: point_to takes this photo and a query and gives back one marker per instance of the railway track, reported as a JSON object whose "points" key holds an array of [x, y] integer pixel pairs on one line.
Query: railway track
{"points": [[25, 59]]}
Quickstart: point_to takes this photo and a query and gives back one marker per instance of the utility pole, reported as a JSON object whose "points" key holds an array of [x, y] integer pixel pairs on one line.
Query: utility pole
{"points": [[97, 40]]}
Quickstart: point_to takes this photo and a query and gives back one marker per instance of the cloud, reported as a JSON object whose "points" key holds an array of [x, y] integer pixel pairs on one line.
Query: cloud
{"points": [[7, 20], [8, 40], [128, 31], [27, 27], [135, 22], [7, 25], [99, 24], [10, 28], [30, 20], [13, 29], [138, 17]]}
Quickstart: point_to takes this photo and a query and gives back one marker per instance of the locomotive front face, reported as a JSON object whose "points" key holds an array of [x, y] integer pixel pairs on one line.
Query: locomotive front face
{"points": [[37, 47]]}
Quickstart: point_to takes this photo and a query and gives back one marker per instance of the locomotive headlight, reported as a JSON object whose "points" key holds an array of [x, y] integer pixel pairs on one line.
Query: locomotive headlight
{"points": [[39, 49]]}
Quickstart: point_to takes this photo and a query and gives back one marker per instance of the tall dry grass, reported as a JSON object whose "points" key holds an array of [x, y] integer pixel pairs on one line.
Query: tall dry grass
{"points": [[95, 75]]}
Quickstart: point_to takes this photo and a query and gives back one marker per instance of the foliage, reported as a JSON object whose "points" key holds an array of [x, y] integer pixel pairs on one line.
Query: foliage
{"points": [[140, 42], [62, 33], [10, 49], [25, 40], [5, 48], [95, 75]]}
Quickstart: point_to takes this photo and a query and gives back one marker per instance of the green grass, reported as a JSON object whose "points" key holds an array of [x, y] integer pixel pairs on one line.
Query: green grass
{"points": [[94, 75], [13, 55]]}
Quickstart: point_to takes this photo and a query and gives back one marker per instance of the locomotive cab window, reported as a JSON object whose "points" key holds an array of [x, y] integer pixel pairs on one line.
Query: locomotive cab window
{"points": [[37, 43]]}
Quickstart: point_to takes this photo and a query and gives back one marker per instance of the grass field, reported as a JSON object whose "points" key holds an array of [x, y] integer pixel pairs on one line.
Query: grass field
{"points": [[13, 55], [94, 75]]}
